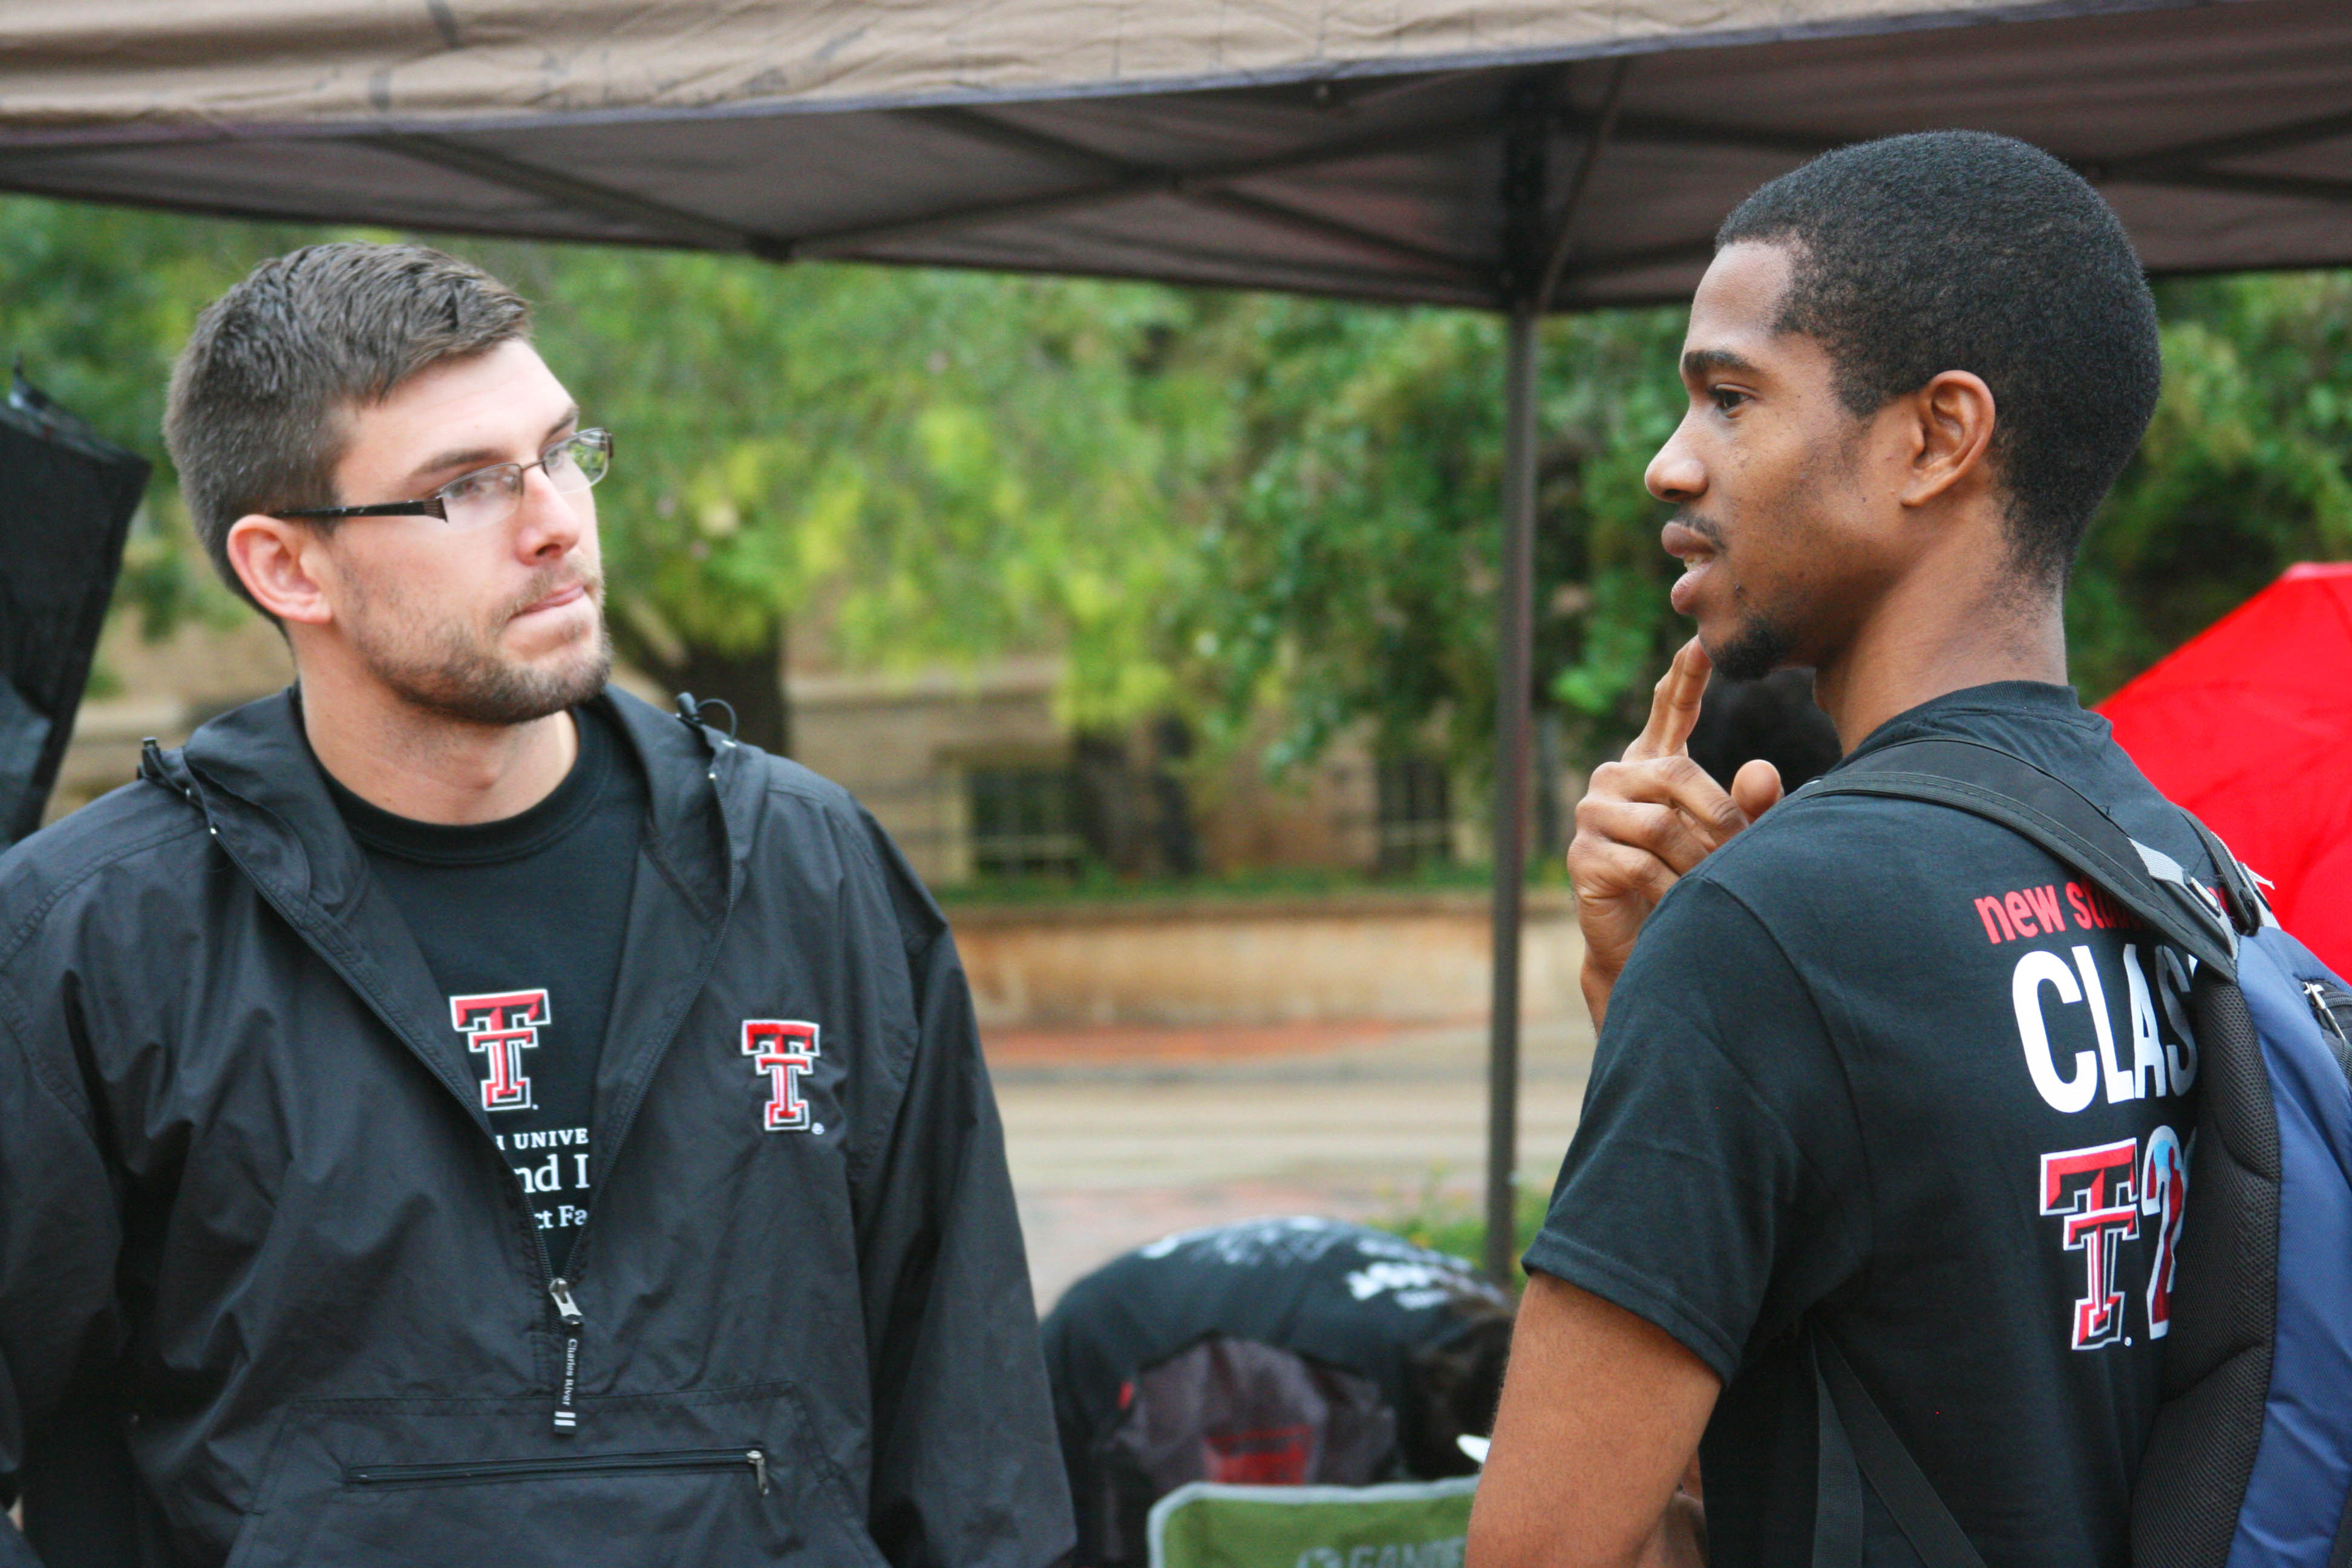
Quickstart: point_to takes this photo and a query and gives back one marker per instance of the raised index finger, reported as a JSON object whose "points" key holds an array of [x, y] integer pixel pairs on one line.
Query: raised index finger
{"points": [[1674, 708]]}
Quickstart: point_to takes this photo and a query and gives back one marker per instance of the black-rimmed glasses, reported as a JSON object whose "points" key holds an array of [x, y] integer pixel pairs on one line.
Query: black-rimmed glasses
{"points": [[488, 496]]}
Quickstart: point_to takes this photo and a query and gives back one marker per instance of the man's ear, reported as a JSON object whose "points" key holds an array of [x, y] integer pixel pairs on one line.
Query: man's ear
{"points": [[278, 561], [1952, 423]]}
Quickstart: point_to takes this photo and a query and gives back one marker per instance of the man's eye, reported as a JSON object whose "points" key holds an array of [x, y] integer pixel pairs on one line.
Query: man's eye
{"points": [[1725, 398], [470, 486]]}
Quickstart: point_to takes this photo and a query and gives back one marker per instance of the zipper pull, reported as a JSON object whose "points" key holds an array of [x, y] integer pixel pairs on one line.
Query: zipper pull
{"points": [[567, 1310], [759, 1463], [2317, 996]]}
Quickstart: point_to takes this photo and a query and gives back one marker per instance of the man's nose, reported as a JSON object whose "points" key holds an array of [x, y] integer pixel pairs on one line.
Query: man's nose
{"points": [[548, 522], [1676, 475]]}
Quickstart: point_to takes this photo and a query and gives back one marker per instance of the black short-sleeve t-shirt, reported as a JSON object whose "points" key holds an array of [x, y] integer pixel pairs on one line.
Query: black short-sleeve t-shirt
{"points": [[1893, 1067], [521, 922]]}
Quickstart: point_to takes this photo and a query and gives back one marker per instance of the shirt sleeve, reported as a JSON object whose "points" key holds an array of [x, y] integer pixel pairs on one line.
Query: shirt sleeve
{"points": [[1716, 1185]]}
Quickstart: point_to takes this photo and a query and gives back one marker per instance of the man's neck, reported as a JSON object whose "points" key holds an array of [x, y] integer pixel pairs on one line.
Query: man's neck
{"points": [[1930, 637], [427, 766]]}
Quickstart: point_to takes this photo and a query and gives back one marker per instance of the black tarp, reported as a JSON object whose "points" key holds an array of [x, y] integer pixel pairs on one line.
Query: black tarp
{"points": [[66, 496]]}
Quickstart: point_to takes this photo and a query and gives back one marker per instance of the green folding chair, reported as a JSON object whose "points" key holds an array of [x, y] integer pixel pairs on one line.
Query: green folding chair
{"points": [[1409, 1524]]}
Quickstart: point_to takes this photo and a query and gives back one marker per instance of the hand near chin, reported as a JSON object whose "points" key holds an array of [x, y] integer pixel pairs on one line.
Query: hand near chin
{"points": [[1649, 818]]}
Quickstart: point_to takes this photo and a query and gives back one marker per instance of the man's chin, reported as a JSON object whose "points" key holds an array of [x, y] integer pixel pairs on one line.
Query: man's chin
{"points": [[482, 691], [1748, 651]]}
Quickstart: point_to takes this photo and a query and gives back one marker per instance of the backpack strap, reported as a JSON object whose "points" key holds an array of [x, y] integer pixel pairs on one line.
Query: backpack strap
{"points": [[1858, 1439], [1988, 782], [2242, 892]]}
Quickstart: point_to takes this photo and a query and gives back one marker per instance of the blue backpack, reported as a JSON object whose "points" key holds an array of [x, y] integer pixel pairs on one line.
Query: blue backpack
{"points": [[2250, 1458]]}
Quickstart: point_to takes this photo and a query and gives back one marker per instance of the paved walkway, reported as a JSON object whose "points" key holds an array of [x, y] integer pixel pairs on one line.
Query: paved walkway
{"points": [[1118, 1136]]}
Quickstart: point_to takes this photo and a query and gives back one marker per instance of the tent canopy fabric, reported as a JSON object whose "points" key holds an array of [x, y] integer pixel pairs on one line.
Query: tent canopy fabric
{"points": [[1328, 146], [2249, 725], [423, 62]]}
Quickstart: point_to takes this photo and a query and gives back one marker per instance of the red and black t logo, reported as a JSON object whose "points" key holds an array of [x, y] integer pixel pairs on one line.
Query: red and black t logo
{"points": [[501, 1025], [786, 1051]]}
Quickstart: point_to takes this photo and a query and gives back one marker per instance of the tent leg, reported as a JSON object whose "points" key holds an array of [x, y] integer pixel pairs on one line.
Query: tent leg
{"points": [[1515, 637]]}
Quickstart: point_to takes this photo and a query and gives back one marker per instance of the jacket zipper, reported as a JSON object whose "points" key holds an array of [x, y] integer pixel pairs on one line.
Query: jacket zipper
{"points": [[567, 1313], [569, 1317], [756, 1459]]}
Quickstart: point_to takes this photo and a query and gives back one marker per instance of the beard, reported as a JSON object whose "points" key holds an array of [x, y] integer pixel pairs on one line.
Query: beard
{"points": [[1756, 647], [455, 672]]}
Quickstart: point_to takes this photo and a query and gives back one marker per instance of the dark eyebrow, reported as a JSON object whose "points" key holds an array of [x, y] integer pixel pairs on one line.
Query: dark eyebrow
{"points": [[1698, 362], [482, 457]]}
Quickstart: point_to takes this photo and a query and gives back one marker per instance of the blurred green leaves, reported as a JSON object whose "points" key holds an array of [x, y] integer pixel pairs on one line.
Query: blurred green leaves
{"points": [[95, 303], [1276, 515], [2243, 471], [939, 466], [1352, 578]]}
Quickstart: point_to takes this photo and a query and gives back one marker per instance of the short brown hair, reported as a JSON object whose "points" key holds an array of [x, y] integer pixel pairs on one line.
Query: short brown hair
{"points": [[254, 420]]}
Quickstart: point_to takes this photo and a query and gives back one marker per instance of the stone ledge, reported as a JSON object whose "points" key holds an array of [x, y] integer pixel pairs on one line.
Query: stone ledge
{"points": [[1424, 957], [1365, 903]]}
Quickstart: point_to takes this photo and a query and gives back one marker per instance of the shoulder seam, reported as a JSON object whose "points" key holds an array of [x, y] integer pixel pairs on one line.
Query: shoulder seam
{"points": [[16, 938], [813, 788]]}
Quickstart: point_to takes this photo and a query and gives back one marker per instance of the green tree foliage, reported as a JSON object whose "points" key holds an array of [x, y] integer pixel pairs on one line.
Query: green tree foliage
{"points": [[1353, 576], [941, 466], [94, 304], [2242, 474], [1236, 506]]}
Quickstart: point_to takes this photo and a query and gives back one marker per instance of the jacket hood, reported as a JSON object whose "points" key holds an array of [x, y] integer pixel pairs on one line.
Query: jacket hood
{"points": [[252, 772]]}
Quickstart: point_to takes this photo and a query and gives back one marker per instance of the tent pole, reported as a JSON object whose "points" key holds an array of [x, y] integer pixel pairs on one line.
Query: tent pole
{"points": [[1527, 133], [1515, 637]]}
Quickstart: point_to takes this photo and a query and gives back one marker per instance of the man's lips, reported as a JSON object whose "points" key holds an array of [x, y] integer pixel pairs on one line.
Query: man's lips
{"points": [[1696, 553], [555, 601]]}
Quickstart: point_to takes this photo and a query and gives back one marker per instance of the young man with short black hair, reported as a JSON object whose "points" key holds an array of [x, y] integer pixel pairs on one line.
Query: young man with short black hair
{"points": [[1877, 1074], [452, 1111]]}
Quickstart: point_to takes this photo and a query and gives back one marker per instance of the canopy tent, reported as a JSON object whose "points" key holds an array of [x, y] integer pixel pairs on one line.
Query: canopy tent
{"points": [[2249, 725], [1518, 154], [1335, 146]]}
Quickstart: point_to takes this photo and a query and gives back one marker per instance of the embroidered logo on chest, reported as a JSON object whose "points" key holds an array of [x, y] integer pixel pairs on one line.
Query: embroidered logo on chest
{"points": [[783, 1051], [500, 1025]]}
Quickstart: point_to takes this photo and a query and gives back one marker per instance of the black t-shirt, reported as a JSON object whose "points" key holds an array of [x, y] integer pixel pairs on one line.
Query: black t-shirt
{"points": [[521, 921], [1893, 1066]]}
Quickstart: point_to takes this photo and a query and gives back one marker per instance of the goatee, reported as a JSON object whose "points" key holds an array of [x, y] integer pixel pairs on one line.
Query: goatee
{"points": [[1756, 648]]}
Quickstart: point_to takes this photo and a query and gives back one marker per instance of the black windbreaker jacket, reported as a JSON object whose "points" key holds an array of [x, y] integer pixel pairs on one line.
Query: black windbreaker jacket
{"points": [[247, 1186]]}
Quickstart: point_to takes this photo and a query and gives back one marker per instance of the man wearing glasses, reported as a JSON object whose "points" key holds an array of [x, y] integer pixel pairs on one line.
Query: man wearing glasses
{"points": [[453, 1111]]}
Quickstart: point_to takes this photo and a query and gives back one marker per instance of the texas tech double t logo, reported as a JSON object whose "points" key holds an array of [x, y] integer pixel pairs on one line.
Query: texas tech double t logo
{"points": [[501, 1025], [784, 1050]]}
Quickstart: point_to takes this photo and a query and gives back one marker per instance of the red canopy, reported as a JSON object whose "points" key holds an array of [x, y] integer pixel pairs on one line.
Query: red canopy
{"points": [[2249, 726]]}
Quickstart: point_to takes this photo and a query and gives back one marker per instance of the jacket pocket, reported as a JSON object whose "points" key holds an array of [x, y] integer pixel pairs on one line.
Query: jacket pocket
{"points": [[691, 1480], [751, 1461]]}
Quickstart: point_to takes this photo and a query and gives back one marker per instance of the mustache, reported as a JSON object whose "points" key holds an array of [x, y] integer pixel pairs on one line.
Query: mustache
{"points": [[1706, 527], [552, 581]]}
